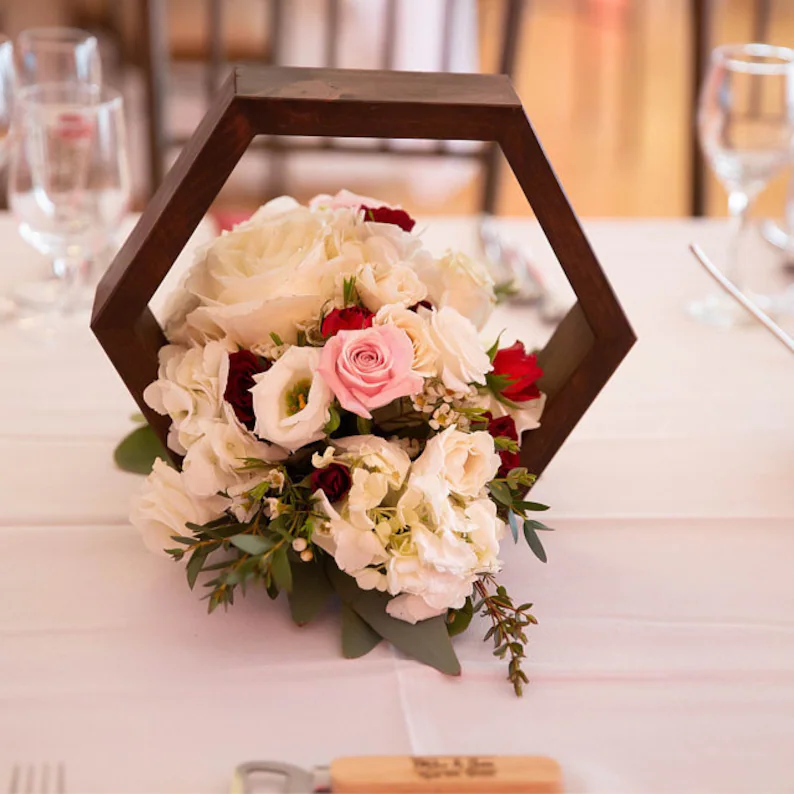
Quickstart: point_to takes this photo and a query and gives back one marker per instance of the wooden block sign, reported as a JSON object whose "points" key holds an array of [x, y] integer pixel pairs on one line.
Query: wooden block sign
{"points": [[580, 357]]}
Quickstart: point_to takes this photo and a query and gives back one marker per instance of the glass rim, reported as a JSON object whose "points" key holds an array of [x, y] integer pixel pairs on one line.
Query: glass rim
{"points": [[57, 34], [741, 58], [106, 96]]}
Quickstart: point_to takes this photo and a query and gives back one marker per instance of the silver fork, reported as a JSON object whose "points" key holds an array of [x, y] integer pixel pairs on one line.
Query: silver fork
{"points": [[38, 779]]}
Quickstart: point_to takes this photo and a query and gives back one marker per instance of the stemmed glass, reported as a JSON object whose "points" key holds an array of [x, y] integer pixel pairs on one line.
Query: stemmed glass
{"points": [[69, 178], [746, 125], [55, 55]]}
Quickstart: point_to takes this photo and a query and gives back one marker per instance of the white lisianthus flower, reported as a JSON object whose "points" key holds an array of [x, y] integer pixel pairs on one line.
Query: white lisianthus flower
{"points": [[458, 281], [526, 415], [165, 505], [381, 284], [375, 454], [291, 400], [464, 360], [418, 331], [189, 388], [213, 463], [465, 462]]}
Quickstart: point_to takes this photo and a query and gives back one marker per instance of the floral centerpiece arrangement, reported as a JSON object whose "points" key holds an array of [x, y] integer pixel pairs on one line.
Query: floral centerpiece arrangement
{"points": [[343, 429]]}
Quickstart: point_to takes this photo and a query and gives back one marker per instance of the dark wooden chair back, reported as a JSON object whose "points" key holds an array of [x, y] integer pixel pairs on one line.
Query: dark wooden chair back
{"points": [[157, 62]]}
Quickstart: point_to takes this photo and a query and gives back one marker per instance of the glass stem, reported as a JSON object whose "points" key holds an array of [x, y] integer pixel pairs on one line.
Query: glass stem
{"points": [[738, 206], [72, 271]]}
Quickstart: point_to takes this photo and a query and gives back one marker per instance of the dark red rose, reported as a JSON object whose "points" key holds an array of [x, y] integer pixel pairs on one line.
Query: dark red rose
{"points": [[353, 318], [506, 427], [522, 370], [389, 215], [333, 481], [243, 365]]}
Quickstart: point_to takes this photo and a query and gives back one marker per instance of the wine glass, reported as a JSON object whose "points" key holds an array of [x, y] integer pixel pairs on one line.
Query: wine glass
{"points": [[746, 126], [54, 55], [69, 178]]}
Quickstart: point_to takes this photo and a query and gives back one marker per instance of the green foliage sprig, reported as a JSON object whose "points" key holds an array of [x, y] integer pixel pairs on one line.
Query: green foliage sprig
{"points": [[507, 627], [260, 550], [508, 493]]}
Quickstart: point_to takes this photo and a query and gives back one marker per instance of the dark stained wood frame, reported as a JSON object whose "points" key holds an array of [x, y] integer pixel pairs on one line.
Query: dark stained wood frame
{"points": [[580, 357]]}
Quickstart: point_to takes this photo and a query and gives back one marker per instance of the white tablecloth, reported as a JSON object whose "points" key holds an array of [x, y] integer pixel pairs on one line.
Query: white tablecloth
{"points": [[664, 658]]}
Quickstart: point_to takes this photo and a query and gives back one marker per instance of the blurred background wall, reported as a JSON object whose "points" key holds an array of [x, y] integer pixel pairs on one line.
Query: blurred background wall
{"points": [[608, 85]]}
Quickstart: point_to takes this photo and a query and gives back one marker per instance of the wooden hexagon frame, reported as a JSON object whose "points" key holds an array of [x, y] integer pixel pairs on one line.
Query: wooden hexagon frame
{"points": [[579, 358]]}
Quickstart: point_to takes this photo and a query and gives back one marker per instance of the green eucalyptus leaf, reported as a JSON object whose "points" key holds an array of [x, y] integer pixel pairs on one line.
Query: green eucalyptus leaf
{"points": [[311, 591], [501, 492], [251, 544], [195, 564], [280, 568], [537, 525], [533, 541], [531, 506], [139, 450], [426, 641], [513, 519], [458, 619], [358, 638]]}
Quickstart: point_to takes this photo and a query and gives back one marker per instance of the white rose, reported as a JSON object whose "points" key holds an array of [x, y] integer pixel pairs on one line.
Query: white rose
{"points": [[213, 463], [463, 359], [376, 454], [418, 331], [459, 281], [291, 400], [380, 284], [251, 323], [526, 415], [165, 506], [189, 388], [465, 462], [236, 265], [268, 275]]}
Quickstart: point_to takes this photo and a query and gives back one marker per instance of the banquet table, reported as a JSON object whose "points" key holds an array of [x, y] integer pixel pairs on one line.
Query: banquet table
{"points": [[664, 656]]}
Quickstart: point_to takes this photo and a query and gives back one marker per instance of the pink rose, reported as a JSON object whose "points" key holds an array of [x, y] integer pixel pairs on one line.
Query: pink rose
{"points": [[369, 368]]}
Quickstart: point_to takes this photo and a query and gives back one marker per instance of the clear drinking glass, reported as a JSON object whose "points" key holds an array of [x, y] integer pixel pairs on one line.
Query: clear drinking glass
{"points": [[69, 178], [57, 55], [54, 55], [746, 125]]}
